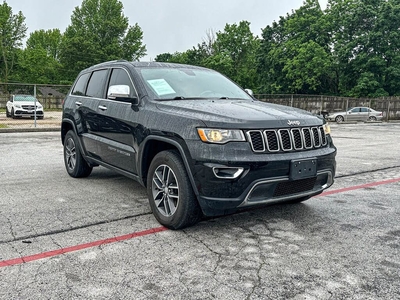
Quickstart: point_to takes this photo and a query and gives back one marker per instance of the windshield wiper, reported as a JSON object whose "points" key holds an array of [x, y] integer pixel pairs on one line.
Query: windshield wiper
{"points": [[175, 98]]}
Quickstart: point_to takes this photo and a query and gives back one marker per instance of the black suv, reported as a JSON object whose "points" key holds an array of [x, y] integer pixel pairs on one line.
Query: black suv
{"points": [[199, 143]]}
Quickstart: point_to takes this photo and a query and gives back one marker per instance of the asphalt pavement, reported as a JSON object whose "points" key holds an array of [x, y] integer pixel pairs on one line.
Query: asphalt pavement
{"points": [[95, 238]]}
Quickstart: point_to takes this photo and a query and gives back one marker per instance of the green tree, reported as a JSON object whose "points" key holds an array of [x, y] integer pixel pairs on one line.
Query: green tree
{"points": [[195, 56], [12, 32], [163, 57], [231, 52], [49, 40], [38, 62], [234, 54], [99, 32], [366, 46], [295, 56]]}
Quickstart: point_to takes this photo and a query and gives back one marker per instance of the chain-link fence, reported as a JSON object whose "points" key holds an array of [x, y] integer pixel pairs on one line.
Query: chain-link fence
{"points": [[51, 97]]}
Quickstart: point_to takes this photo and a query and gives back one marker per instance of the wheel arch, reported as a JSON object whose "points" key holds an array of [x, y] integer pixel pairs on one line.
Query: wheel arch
{"points": [[156, 144], [66, 126]]}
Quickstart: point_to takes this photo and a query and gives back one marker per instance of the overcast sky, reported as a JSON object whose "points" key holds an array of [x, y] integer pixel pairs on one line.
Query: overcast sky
{"points": [[168, 25]]}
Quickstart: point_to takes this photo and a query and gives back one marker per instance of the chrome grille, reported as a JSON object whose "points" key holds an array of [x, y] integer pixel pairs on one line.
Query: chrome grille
{"points": [[272, 142], [29, 107], [257, 141], [298, 141], [308, 143], [316, 137], [285, 140]]}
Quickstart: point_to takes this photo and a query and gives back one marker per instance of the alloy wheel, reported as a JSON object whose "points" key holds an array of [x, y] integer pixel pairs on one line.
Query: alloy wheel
{"points": [[70, 154], [165, 190]]}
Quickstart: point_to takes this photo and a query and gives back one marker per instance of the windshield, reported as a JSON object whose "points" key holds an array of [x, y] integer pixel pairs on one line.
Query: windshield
{"points": [[24, 98], [186, 83]]}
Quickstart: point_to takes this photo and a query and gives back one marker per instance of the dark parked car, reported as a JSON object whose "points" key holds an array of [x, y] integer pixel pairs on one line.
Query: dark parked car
{"points": [[199, 143]]}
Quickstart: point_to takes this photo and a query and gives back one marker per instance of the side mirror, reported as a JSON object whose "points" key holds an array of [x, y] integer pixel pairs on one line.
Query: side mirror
{"points": [[250, 92], [121, 93]]}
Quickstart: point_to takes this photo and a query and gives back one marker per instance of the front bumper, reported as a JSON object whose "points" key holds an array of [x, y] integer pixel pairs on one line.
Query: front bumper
{"points": [[262, 179], [28, 113]]}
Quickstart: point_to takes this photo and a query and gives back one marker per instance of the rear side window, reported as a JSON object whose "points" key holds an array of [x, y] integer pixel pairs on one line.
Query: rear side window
{"points": [[121, 77], [79, 88], [97, 84]]}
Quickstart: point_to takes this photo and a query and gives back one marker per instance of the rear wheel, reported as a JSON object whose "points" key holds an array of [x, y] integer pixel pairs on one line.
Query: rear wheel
{"points": [[372, 118], [170, 192], [74, 162]]}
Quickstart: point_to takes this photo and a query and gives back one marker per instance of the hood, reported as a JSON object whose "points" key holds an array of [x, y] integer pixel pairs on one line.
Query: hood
{"points": [[27, 103], [247, 113]]}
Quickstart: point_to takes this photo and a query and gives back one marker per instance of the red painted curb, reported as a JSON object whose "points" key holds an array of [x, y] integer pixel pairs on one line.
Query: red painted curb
{"points": [[25, 259], [357, 187]]}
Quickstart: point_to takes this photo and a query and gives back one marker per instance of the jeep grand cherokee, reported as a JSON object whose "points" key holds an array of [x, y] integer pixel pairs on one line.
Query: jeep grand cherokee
{"points": [[199, 143]]}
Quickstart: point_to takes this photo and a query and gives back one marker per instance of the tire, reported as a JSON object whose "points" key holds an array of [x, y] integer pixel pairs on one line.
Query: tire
{"points": [[74, 162], [372, 118], [170, 192], [12, 113], [339, 119], [7, 113]]}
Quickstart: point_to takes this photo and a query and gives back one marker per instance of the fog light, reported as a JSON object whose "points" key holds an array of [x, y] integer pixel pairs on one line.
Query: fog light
{"points": [[227, 172]]}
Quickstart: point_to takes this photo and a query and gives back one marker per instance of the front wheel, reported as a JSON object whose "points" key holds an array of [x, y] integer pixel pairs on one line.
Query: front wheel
{"points": [[170, 192], [74, 162], [339, 119], [7, 113]]}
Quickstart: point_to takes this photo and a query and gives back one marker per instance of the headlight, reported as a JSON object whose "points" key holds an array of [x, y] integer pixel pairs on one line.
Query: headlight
{"points": [[39, 107], [18, 105], [220, 136], [327, 129]]}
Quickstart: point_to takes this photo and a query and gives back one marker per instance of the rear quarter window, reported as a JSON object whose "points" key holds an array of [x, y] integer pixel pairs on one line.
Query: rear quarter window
{"points": [[97, 84], [79, 88]]}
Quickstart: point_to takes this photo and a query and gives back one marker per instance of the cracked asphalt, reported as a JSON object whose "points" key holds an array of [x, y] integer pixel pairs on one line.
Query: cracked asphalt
{"points": [[342, 245]]}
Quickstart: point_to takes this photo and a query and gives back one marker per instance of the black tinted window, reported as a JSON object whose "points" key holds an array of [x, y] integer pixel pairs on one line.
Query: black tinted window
{"points": [[364, 109], [96, 84], [121, 77], [79, 88]]}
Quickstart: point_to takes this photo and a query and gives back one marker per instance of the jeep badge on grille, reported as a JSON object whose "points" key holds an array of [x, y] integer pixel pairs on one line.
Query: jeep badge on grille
{"points": [[293, 123]]}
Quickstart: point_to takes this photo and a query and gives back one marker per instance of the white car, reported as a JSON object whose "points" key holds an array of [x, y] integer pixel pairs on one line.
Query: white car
{"points": [[24, 106]]}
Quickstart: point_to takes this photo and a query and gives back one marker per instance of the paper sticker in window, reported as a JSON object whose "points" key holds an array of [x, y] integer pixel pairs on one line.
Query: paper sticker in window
{"points": [[161, 87]]}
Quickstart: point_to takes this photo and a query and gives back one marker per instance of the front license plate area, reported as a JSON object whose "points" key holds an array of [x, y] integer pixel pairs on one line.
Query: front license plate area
{"points": [[303, 168]]}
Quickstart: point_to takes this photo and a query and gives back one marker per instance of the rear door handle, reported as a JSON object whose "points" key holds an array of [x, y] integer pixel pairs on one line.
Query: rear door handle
{"points": [[78, 103], [102, 107]]}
